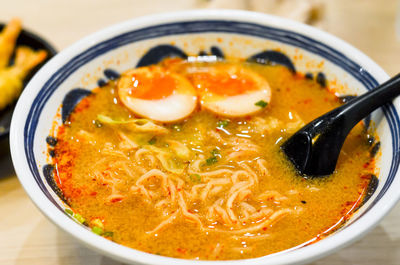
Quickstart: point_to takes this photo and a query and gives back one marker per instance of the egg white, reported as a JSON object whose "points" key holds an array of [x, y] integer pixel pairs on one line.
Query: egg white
{"points": [[237, 105], [180, 104], [172, 108]]}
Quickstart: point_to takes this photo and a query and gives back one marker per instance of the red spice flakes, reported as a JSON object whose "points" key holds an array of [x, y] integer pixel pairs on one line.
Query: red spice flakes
{"points": [[94, 193], [298, 76], [174, 60], [366, 177], [181, 250], [72, 192], [349, 203], [83, 104], [116, 200]]}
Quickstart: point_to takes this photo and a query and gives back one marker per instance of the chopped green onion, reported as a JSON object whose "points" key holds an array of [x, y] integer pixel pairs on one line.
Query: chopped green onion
{"points": [[97, 222], [97, 230], [196, 178], [69, 212], [79, 218], [97, 123], [108, 234], [152, 140], [215, 152], [211, 160], [214, 157], [223, 123], [261, 104]]}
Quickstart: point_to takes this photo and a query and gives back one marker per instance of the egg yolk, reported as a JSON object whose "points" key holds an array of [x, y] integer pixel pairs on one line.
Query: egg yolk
{"points": [[158, 85], [223, 84]]}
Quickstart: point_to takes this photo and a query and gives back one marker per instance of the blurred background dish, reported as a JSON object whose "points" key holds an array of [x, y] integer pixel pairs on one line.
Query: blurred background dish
{"points": [[32, 40]]}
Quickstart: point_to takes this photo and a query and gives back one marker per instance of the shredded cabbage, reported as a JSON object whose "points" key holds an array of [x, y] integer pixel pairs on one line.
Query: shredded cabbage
{"points": [[167, 159], [136, 125], [179, 149]]}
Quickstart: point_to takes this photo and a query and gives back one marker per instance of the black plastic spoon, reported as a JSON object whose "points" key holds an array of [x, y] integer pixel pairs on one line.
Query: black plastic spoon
{"points": [[315, 148]]}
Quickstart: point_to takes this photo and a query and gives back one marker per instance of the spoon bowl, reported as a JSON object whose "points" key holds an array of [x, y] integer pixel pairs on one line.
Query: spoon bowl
{"points": [[315, 148]]}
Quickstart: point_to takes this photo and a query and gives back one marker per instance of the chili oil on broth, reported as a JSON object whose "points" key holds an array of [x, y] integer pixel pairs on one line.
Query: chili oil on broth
{"points": [[98, 174]]}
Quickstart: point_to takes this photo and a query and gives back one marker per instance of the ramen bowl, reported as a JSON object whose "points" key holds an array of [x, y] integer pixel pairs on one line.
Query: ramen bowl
{"points": [[89, 63]]}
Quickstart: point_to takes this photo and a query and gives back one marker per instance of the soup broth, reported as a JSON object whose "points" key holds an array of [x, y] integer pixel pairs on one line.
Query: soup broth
{"points": [[207, 187]]}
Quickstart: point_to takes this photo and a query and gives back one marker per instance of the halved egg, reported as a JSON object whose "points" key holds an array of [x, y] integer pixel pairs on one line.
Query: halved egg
{"points": [[230, 90], [156, 93]]}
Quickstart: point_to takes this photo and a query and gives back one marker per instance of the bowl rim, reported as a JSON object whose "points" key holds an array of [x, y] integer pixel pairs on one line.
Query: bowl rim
{"points": [[125, 254]]}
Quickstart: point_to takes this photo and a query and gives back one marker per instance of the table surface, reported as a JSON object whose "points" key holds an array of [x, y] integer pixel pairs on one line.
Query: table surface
{"points": [[27, 237]]}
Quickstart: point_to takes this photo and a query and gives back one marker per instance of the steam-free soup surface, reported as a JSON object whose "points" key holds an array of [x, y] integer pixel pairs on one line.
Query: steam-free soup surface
{"points": [[207, 187]]}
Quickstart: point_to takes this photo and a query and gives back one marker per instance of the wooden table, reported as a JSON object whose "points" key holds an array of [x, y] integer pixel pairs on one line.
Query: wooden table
{"points": [[27, 237]]}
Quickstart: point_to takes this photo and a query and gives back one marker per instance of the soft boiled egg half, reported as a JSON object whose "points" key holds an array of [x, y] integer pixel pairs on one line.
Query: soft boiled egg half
{"points": [[156, 93], [230, 90]]}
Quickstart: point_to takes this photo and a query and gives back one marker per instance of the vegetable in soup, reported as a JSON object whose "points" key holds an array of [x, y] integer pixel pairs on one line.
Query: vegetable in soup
{"points": [[183, 160]]}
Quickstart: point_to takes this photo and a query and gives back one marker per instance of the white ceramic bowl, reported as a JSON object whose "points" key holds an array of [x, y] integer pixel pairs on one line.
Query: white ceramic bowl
{"points": [[236, 33]]}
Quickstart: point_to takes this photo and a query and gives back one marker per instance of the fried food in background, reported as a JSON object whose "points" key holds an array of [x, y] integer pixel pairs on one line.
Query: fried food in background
{"points": [[12, 76]]}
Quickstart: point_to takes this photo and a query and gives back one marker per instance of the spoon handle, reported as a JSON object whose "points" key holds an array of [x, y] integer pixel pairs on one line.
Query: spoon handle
{"points": [[315, 148], [345, 117], [359, 107]]}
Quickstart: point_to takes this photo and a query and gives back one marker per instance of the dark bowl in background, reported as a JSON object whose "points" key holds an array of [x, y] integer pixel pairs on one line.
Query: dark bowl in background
{"points": [[25, 38]]}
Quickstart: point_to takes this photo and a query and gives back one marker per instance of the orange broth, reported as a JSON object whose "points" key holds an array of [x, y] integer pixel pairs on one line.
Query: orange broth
{"points": [[309, 208]]}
